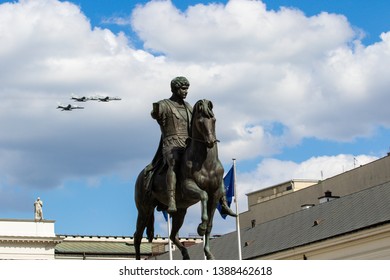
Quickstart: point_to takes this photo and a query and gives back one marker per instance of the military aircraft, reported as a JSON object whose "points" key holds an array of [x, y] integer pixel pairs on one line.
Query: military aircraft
{"points": [[68, 107], [105, 98], [80, 99]]}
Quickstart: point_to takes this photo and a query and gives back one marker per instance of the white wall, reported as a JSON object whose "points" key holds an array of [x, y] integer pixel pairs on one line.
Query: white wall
{"points": [[27, 239]]}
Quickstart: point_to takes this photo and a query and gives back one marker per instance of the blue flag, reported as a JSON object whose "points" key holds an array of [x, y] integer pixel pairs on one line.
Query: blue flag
{"points": [[228, 181], [165, 213]]}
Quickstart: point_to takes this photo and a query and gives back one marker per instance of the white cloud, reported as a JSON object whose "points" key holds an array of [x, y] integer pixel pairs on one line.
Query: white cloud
{"points": [[51, 51], [239, 31], [310, 73]]}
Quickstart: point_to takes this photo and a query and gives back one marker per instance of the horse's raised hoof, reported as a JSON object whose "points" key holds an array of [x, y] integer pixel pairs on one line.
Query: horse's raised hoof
{"points": [[227, 211], [202, 229]]}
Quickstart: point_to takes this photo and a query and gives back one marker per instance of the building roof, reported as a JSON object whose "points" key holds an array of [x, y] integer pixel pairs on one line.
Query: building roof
{"points": [[98, 248], [350, 213], [76, 246]]}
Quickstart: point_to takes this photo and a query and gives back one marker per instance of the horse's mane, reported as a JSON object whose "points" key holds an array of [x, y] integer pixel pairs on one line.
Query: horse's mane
{"points": [[204, 107]]}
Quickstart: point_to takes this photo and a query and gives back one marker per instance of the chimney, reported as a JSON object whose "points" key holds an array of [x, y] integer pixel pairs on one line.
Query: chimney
{"points": [[327, 197], [253, 222]]}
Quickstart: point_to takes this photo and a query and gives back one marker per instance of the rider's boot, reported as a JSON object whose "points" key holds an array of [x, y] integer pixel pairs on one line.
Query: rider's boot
{"points": [[171, 201], [225, 209], [171, 189]]}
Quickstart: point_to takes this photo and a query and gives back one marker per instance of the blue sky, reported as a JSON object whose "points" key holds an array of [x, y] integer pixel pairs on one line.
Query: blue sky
{"points": [[299, 88]]}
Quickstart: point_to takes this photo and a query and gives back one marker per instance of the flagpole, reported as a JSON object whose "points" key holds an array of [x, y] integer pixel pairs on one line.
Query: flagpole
{"points": [[169, 238], [238, 216], [204, 244]]}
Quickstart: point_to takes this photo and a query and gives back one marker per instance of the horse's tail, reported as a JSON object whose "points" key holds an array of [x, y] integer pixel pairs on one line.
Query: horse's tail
{"points": [[145, 218]]}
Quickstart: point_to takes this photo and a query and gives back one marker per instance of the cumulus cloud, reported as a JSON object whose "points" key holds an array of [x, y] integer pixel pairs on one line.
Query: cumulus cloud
{"points": [[309, 73], [50, 54], [239, 31], [275, 77]]}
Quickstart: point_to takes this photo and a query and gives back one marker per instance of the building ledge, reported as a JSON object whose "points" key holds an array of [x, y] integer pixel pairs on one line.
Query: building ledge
{"points": [[29, 239]]}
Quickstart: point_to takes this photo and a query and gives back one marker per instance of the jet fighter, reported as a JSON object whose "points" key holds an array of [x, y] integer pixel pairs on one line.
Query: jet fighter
{"points": [[80, 98], [68, 107], [106, 98]]}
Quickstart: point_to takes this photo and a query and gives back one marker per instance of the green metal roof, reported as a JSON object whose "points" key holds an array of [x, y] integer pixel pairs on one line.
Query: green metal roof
{"points": [[100, 247]]}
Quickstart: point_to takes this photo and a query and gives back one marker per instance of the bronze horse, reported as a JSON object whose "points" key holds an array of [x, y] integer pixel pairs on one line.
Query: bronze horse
{"points": [[200, 179]]}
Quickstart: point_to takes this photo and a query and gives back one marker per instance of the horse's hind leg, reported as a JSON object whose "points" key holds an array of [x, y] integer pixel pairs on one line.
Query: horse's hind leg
{"points": [[177, 222], [141, 224], [145, 219]]}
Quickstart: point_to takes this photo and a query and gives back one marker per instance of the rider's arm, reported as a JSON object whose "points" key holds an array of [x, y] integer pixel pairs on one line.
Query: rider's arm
{"points": [[159, 111], [156, 111]]}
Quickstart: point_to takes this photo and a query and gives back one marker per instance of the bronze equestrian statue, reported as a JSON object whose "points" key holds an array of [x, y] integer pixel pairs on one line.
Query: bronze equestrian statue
{"points": [[185, 169]]}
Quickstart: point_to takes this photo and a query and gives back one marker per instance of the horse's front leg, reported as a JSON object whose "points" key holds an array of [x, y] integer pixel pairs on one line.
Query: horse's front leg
{"points": [[193, 192], [212, 205], [202, 228]]}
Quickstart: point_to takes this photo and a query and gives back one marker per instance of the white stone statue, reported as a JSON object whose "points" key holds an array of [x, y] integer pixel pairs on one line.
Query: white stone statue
{"points": [[38, 209]]}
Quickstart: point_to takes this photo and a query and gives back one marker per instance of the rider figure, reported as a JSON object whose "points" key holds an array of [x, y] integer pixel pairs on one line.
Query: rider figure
{"points": [[174, 117]]}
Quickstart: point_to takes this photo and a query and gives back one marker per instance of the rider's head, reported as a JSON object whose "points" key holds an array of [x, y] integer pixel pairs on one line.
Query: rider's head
{"points": [[179, 82]]}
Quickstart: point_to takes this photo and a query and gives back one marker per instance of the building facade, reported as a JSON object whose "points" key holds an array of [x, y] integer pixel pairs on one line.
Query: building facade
{"points": [[27, 239]]}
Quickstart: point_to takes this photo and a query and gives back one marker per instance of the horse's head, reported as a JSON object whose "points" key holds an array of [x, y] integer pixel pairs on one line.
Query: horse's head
{"points": [[203, 123]]}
